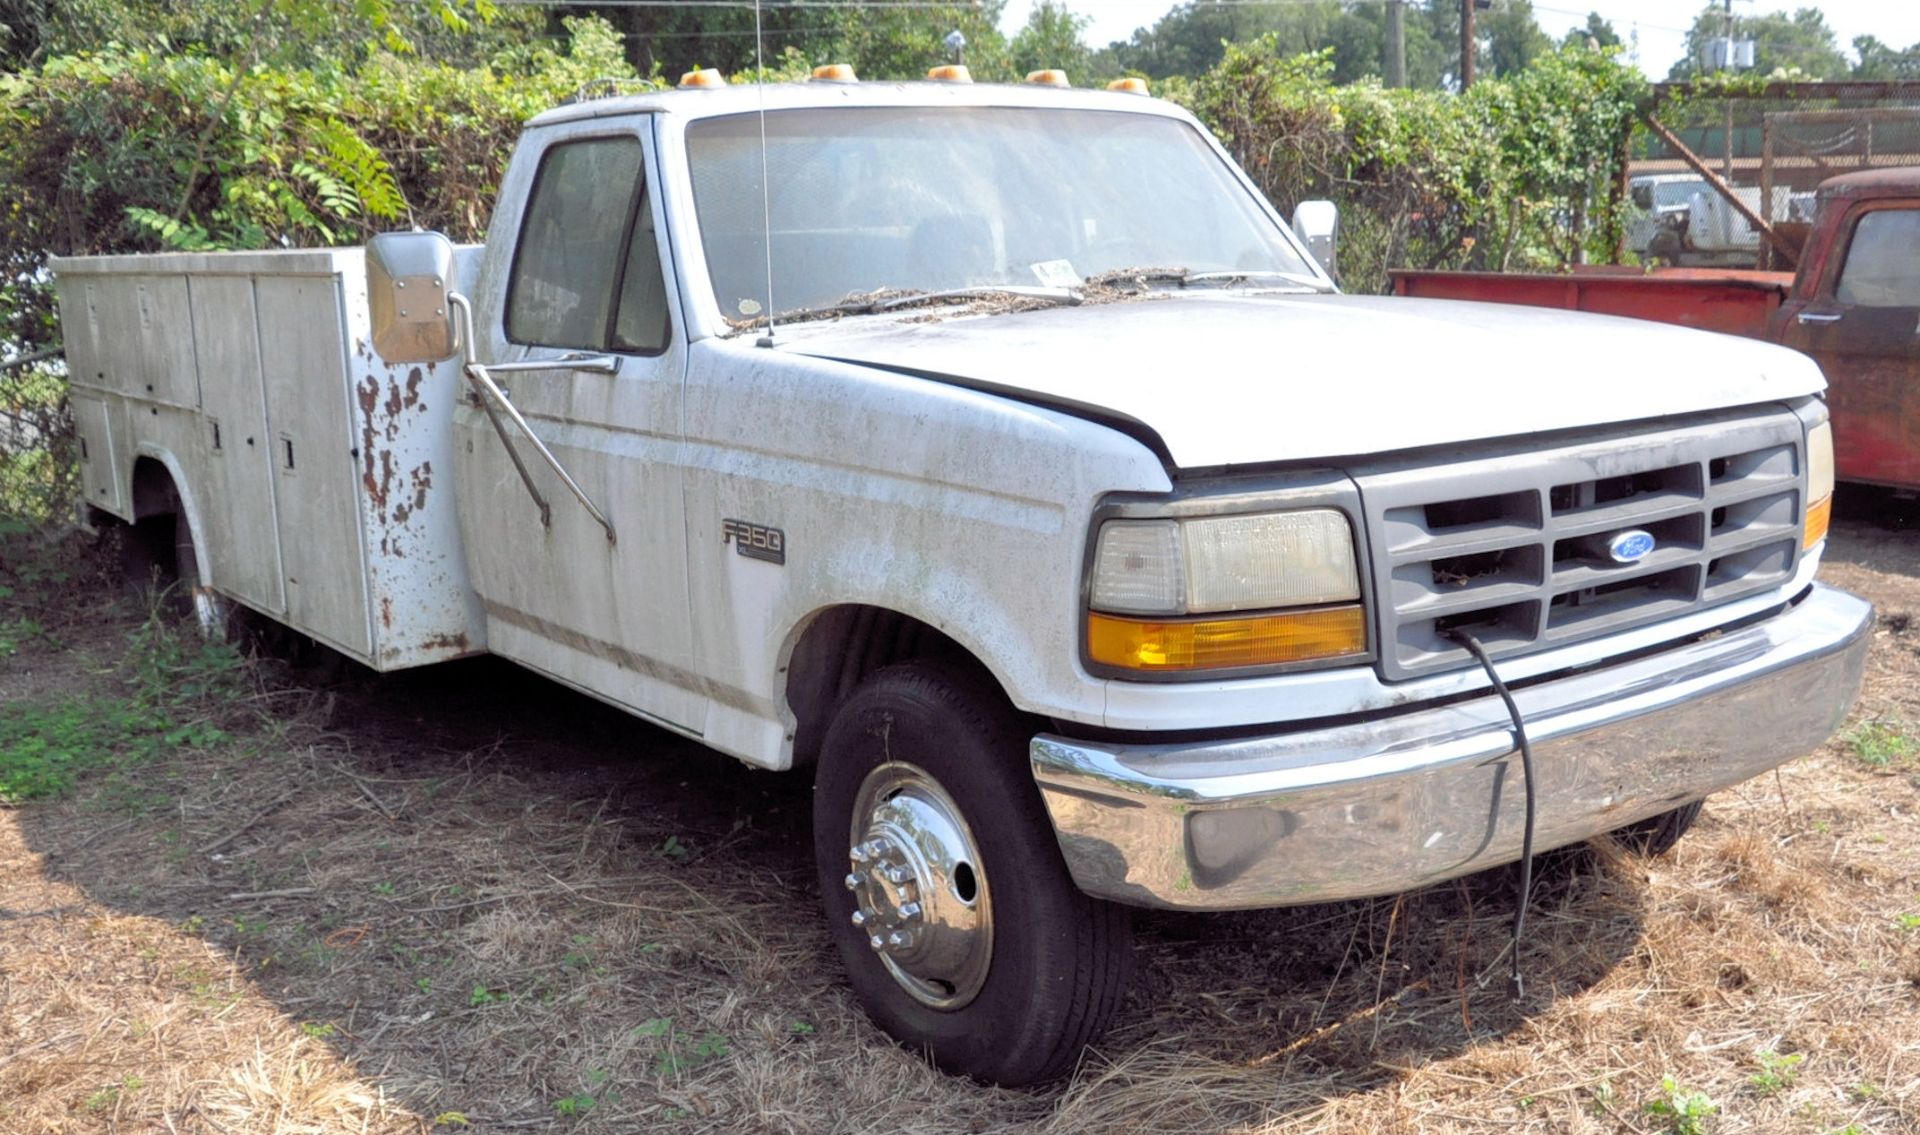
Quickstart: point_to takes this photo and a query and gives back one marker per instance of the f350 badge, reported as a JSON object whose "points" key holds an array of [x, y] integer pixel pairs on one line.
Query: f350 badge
{"points": [[755, 541]]}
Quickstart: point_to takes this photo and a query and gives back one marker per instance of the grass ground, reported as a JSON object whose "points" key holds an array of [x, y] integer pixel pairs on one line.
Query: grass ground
{"points": [[235, 898]]}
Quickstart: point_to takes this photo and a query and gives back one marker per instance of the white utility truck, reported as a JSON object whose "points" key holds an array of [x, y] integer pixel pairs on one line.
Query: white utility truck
{"points": [[1083, 545]]}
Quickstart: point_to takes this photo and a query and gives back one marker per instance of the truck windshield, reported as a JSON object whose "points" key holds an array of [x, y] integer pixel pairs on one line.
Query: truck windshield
{"points": [[871, 200]]}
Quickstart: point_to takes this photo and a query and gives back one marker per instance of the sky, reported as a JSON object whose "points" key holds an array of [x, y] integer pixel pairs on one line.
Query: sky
{"points": [[1662, 23]]}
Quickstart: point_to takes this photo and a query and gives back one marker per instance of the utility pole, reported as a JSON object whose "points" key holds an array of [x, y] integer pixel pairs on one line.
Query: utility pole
{"points": [[1727, 129], [1396, 43], [1467, 44]]}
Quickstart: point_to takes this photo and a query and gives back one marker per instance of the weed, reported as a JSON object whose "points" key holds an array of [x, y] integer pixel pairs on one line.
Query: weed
{"points": [[1777, 1070], [673, 1062], [657, 1026], [1882, 745], [579, 1103], [1907, 923], [1682, 1112], [452, 1119], [672, 849], [384, 889], [318, 1030], [484, 996], [799, 1028], [45, 744]]}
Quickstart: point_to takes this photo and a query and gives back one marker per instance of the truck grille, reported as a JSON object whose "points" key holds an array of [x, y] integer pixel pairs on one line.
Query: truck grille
{"points": [[1512, 546]]}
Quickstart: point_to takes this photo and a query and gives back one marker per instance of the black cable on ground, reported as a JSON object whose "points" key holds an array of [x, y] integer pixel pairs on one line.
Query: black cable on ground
{"points": [[1516, 986]]}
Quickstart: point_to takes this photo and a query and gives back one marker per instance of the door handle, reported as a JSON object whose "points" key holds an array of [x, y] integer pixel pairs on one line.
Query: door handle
{"points": [[1820, 317]]}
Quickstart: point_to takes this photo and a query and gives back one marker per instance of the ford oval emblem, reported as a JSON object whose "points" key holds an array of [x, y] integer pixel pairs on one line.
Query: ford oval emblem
{"points": [[1631, 546]]}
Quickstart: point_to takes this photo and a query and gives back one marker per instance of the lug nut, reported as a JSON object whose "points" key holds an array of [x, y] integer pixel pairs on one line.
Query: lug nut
{"points": [[910, 910], [854, 880], [859, 918], [898, 941], [859, 853], [877, 942], [897, 875]]}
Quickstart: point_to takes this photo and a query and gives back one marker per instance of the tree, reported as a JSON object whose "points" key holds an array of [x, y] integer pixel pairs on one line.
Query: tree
{"points": [[1801, 42], [1597, 32], [1192, 38], [1052, 40], [882, 41], [1513, 39], [281, 31], [1881, 61]]}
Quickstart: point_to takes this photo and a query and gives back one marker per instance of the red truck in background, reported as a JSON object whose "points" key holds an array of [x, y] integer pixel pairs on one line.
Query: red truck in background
{"points": [[1854, 305]]}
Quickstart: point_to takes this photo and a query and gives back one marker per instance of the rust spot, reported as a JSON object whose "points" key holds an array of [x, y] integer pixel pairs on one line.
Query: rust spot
{"points": [[368, 395], [386, 612], [455, 642], [386, 482], [413, 387]]}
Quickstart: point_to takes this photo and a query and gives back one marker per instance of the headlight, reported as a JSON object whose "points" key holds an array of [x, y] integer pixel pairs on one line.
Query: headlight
{"points": [[1289, 581], [1819, 484]]}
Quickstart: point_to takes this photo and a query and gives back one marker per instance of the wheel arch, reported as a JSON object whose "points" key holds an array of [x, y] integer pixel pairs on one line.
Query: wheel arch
{"points": [[160, 486], [835, 648]]}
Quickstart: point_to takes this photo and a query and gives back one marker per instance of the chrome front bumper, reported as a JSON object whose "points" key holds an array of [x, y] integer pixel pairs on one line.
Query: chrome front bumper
{"points": [[1389, 804]]}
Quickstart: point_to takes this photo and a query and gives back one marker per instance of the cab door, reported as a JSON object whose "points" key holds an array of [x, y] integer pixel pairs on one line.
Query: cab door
{"points": [[1862, 325], [582, 282]]}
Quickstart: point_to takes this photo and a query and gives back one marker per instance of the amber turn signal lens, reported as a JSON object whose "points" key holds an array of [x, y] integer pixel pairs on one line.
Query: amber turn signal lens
{"points": [[835, 73], [705, 79], [1819, 515], [1222, 644], [1129, 86], [951, 73]]}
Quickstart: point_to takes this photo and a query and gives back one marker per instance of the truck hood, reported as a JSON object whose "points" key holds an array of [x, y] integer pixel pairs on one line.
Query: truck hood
{"points": [[1239, 378]]}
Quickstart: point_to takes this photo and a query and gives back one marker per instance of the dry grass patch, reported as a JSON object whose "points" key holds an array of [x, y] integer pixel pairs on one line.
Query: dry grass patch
{"points": [[464, 895]]}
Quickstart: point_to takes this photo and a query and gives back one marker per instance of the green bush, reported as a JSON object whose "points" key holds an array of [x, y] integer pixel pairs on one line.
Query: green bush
{"points": [[1515, 174], [123, 150]]}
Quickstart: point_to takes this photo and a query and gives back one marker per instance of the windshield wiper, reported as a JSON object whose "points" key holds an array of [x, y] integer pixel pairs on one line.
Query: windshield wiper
{"points": [[1186, 276], [889, 299], [1067, 296]]}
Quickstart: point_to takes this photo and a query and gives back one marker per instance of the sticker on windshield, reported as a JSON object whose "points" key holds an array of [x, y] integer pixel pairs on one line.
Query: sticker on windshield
{"points": [[1056, 274]]}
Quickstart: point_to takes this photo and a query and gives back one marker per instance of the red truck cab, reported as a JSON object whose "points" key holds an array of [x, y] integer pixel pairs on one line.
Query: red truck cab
{"points": [[1854, 306]]}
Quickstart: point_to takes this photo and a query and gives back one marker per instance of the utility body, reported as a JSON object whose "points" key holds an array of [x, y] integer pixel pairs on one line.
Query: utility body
{"points": [[1853, 304], [1068, 528]]}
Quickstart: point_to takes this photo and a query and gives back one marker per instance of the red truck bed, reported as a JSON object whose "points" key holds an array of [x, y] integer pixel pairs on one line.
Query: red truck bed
{"points": [[1711, 299]]}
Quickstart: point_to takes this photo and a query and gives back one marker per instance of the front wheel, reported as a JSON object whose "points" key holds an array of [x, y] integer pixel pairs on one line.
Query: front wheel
{"points": [[944, 887], [1656, 835]]}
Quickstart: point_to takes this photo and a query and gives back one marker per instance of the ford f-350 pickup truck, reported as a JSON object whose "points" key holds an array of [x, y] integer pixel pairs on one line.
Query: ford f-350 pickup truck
{"points": [[1074, 535]]}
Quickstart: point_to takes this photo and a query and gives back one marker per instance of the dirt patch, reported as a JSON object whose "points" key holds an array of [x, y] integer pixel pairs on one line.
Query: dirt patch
{"points": [[464, 895]]}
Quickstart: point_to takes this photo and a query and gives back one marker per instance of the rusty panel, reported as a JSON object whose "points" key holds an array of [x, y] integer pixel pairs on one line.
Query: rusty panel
{"points": [[237, 506], [1737, 303], [315, 478]]}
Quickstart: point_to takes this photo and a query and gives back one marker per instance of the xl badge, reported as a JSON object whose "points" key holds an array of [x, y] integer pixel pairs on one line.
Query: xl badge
{"points": [[1631, 546], [755, 541]]}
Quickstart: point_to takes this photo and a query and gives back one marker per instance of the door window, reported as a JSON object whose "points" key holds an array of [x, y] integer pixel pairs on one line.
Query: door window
{"points": [[587, 237], [1883, 261]]}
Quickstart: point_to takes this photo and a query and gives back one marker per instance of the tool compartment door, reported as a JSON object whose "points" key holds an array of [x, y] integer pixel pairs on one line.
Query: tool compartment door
{"points": [[315, 474]]}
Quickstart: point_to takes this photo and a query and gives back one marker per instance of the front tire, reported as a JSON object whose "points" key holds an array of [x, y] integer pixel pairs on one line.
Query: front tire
{"points": [[945, 891], [1656, 835]]}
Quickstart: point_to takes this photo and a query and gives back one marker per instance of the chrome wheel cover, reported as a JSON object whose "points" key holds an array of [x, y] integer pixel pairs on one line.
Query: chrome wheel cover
{"points": [[920, 893]]}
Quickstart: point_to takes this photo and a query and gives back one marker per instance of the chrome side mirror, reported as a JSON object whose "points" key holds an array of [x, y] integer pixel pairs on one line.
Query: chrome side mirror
{"points": [[1317, 224], [409, 281]]}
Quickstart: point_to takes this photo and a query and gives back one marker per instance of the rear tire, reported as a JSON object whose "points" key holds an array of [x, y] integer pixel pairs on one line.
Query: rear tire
{"points": [[931, 839]]}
